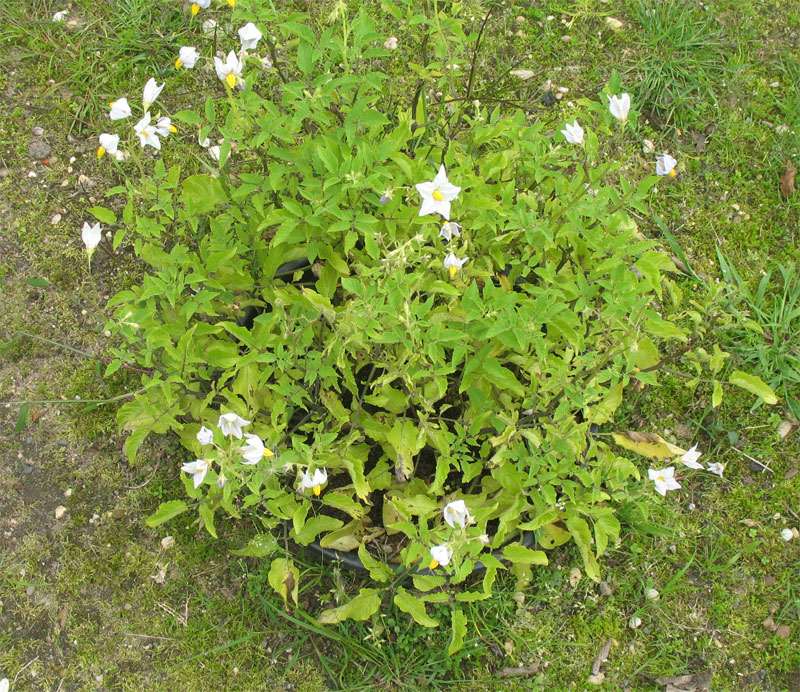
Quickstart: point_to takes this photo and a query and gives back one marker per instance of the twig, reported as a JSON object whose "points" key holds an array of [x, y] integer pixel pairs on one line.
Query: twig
{"points": [[763, 466], [149, 636], [31, 662], [602, 657]]}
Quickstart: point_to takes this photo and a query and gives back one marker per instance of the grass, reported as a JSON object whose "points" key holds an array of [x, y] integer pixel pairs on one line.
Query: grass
{"points": [[82, 602]]}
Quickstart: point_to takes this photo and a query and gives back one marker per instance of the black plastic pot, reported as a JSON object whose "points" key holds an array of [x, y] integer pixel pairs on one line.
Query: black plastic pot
{"points": [[351, 561]]}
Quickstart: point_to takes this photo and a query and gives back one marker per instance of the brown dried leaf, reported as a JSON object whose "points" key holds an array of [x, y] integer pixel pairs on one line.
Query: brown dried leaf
{"points": [[514, 671], [787, 179], [602, 657], [783, 631], [791, 473], [769, 624], [62, 616]]}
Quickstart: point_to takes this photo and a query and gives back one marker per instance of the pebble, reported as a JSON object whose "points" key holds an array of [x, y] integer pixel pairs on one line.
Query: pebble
{"points": [[39, 149], [68, 492], [167, 542], [60, 511], [56, 218], [62, 443], [29, 591], [3, 172], [27, 468], [38, 131], [605, 588]]}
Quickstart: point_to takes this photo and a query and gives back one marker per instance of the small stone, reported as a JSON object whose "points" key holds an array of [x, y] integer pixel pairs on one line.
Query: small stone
{"points": [[648, 147], [3, 172], [55, 219], [27, 468], [596, 679], [635, 622], [566, 38], [60, 511], [605, 588], [38, 131], [118, 513], [787, 535], [523, 74], [651, 595], [62, 443], [85, 182], [68, 492], [613, 23], [39, 149], [29, 591], [167, 542]]}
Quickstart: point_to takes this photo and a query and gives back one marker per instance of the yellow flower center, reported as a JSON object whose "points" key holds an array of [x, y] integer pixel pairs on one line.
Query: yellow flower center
{"points": [[143, 133], [434, 564], [195, 8], [232, 3], [672, 173], [453, 272], [178, 64], [661, 478], [438, 196], [317, 489], [173, 129], [268, 453], [231, 79], [100, 152]]}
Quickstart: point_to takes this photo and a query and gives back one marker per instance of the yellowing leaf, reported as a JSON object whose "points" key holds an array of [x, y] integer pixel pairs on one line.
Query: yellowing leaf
{"points": [[284, 577], [362, 607], [647, 445], [716, 396], [753, 384]]}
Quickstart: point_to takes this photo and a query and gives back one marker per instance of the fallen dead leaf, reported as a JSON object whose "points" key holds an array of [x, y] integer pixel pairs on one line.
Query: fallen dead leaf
{"points": [[784, 428], [769, 624], [513, 671], [523, 74], [601, 658], [791, 473], [62, 616], [699, 682], [783, 631], [574, 577], [787, 179]]}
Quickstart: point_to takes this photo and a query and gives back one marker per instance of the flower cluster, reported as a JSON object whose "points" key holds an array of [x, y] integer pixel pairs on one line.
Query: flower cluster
{"points": [[664, 479], [455, 514], [436, 198]]}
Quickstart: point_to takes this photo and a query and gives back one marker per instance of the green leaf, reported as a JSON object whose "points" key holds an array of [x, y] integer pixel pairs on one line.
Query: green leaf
{"points": [[260, 545], [22, 417], [188, 117], [37, 282], [207, 515], [201, 193], [377, 570], [103, 215], [315, 526], [165, 512], [522, 555], [583, 539], [362, 607], [502, 377], [414, 607], [284, 577], [134, 441], [459, 624], [753, 384]]}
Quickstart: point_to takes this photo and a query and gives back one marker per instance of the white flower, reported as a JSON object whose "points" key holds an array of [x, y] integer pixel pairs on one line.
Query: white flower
{"points": [[457, 513], [150, 93], [198, 5], [619, 106], [229, 70], [91, 236], [249, 35], [254, 451], [59, 16], [164, 126], [573, 133], [209, 26], [187, 57], [450, 229], [717, 468], [690, 458], [198, 468], [437, 195], [440, 555], [314, 481], [214, 152], [231, 424], [147, 133], [664, 479], [453, 264], [390, 43], [787, 534], [205, 436], [119, 109], [665, 165], [4, 681], [108, 144], [205, 143]]}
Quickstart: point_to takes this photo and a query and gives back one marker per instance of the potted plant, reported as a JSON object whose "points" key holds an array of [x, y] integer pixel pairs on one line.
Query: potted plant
{"points": [[438, 312]]}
